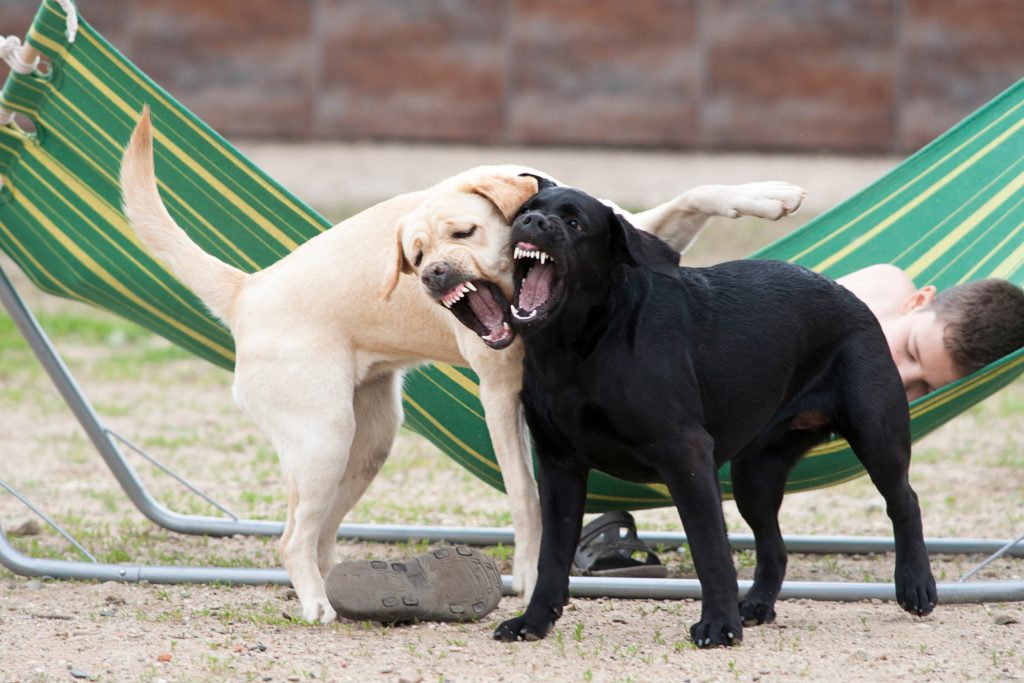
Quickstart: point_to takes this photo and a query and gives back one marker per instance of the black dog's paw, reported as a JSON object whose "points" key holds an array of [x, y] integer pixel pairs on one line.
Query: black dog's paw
{"points": [[716, 633], [755, 613], [520, 628], [916, 593]]}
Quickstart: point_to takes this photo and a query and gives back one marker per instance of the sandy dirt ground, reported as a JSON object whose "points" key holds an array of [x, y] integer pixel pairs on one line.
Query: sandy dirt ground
{"points": [[969, 475]]}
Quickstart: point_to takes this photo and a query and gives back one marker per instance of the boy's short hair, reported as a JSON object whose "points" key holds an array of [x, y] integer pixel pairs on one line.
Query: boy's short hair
{"points": [[984, 321]]}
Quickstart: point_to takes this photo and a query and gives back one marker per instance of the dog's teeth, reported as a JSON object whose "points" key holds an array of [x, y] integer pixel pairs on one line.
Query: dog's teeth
{"points": [[518, 253], [471, 286], [543, 256]]}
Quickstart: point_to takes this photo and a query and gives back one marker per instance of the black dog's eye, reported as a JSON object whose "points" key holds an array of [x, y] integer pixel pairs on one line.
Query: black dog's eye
{"points": [[573, 223], [464, 234], [419, 259]]}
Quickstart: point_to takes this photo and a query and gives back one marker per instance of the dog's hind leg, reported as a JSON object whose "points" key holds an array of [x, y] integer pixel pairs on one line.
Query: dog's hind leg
{"points": [[377, 405], [758, 485], [876, 424], [305, 407]]}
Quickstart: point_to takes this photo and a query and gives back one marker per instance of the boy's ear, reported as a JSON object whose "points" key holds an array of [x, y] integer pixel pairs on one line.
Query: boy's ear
{"points": [[919, 299]]}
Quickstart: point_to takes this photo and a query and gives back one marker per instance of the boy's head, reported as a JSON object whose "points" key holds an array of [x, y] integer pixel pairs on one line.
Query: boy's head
{"points": [[984, 321], [943, 336]]}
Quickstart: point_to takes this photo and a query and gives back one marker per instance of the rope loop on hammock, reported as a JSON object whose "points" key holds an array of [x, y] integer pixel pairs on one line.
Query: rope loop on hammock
{"points": [[10, 52], [72, 21]]}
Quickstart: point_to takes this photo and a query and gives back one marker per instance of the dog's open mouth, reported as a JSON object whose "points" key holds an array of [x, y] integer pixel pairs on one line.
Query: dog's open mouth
{"points": [[539, 283], [480, 306]]}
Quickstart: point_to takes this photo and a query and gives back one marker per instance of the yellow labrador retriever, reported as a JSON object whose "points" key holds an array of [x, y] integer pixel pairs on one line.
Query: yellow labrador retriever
{"points": [[319, 354]]}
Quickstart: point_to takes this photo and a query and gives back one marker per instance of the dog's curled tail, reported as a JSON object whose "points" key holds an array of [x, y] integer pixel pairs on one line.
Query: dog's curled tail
{"points": [[216, 283]]}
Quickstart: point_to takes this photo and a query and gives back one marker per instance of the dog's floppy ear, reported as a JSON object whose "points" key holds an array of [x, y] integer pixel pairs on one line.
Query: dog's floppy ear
{"points": [[395, 265], [635, 247], [542, 182], [506, 192]]}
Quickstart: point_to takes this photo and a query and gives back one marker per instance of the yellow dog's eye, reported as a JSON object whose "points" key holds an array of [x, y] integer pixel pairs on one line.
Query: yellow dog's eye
{"points": [[419, 259], [464, 234]]}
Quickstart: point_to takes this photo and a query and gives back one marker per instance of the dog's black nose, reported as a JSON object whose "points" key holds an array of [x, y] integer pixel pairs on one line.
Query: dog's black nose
{"points": [[536, 220], [435, 275]]}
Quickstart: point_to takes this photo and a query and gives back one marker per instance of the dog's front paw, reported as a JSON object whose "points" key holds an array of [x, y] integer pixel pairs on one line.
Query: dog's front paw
{"points": [[524, 575], [915, 591], [717, 632], [755, 612], [772, 200], [521, 628]]}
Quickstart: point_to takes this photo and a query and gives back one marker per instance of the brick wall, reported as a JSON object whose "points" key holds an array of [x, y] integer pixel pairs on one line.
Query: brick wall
{"points": [[844, 75]]}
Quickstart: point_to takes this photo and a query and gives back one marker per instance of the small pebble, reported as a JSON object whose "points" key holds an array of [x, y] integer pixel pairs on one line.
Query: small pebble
{"points": [[28, 526], [410, 678], [78, 673], [164, 657], [258, 646], [1005, 620]]}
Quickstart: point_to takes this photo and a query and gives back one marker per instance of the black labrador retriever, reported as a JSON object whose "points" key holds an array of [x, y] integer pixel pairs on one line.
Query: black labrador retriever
{"points": [[656, 373]]}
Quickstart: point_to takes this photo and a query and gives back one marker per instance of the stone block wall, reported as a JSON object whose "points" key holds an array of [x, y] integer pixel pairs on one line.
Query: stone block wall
{"points": [[859, 76]]}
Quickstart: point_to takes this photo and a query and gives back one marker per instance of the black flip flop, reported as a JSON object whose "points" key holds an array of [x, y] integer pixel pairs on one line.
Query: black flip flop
{"points": [[609, 546], [452, 583]]}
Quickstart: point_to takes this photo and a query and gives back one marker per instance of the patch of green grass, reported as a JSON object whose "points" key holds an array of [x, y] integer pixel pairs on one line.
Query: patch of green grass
{"points": [[134, 362], [85, 326], [265, 613]]}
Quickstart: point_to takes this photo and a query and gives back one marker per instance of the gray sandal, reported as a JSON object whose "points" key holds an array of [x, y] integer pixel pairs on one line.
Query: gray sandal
{"points": [[452, 583]]}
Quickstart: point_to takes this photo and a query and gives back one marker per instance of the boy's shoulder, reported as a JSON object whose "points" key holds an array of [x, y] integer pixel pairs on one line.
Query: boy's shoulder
{"points": [[883, 287]]}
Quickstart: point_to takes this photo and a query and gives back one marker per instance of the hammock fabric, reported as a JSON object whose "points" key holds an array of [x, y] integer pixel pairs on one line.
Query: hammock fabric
{"points": [[952, 212]]}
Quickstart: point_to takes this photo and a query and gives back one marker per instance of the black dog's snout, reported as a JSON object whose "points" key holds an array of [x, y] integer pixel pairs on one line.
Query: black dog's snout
{"points": [[437, 276], [535, 220]]}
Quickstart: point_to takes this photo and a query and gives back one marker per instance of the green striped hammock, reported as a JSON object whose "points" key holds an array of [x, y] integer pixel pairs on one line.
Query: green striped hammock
{"points": [[952, 212]]}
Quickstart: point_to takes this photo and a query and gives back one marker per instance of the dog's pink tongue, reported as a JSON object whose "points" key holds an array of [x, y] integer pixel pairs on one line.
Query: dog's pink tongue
{"points": [[537, 287], [486, 309]]}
